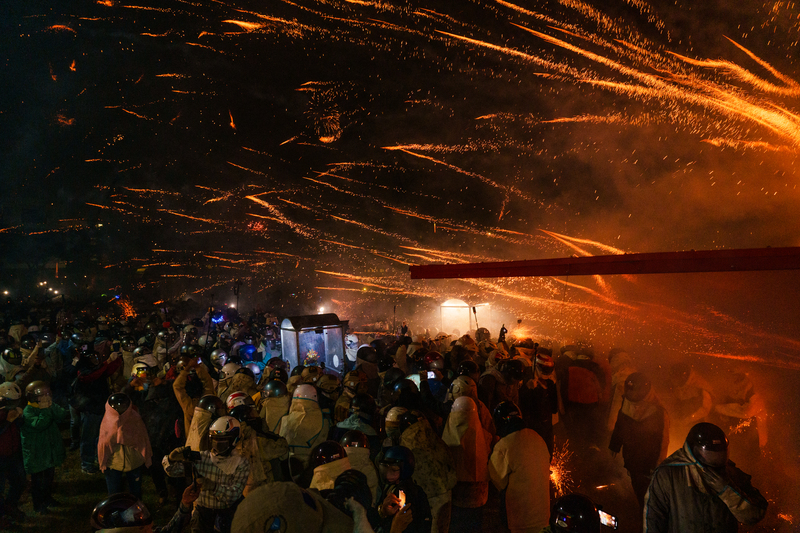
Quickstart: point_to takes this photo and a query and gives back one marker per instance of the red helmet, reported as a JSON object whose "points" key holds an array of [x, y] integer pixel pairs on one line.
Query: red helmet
{"points": [[434, 361]]}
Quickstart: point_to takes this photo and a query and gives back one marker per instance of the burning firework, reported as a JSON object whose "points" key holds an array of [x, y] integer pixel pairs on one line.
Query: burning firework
{"points": [[560, 475]]}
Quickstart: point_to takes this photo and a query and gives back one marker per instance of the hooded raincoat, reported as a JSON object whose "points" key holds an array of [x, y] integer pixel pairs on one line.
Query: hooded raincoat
{"points": [[325, 475], [621, 367], [470, 445], [681, 500], [118, 430], [304, 428], [359, 460], [520, 465], [273, 409]]}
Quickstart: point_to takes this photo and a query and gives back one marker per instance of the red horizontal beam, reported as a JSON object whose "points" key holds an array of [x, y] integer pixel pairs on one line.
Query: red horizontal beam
{"points": [[646, 263]]}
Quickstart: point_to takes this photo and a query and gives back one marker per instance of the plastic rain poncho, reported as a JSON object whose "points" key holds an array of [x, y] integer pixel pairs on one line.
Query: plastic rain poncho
{"points": [[520, 465]]}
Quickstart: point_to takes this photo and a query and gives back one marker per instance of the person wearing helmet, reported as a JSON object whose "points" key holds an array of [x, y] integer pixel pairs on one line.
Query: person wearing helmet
{"points": [[501, 383], [226, 374], [11, 364], [42, 447], [538, 398], [218, 358], [465, 386], [260, 447], [519, 466], [193, 382], [303, 427], [357, 446], [395, 474], [328, 460], [435, 469], [209, 408], [697, 489], [574, 513], [160, 411], [620, 366], [124, 446], [362, 414], [367, 362], [275, 401], [89, 395], [243, 381], [125, 513], [583, 388], [470, 445], [12, 466], [224, 472], [386, 395], [641, 432], [354, 382]]}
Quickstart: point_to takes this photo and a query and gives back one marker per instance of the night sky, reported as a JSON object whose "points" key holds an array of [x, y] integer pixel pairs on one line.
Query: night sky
{"points": [[314, 150]]}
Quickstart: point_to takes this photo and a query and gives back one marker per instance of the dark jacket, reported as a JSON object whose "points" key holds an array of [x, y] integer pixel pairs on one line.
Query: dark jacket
{"points": [[160, 411], [680, 499], [640, 441], [90, 389], [416, 499], [538, 404]]}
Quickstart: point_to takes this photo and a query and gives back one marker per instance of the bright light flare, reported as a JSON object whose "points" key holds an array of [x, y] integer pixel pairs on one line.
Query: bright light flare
{"points": [[560, 475]]}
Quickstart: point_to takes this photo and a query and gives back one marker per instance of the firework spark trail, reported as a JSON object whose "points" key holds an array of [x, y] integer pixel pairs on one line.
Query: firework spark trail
{"points": [[300, 229], [604, 247], [587, 290], [725, 100]]}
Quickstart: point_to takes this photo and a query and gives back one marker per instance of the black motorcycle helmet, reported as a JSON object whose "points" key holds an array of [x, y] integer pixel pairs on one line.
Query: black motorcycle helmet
{"points": [[368, 354], [247, 372], [352, 484], [275, 389], [507, 418], [119, 401], [363, 404], [709, 444], [402, 457], [279, 374], [327, 452], [575, 513], [13, 356], [637, 387], [28, 342], [118, 511], [468, 367], [298, 370], [354, 439], [392, 376], [512, 369], [244, 413], [213, 404]]}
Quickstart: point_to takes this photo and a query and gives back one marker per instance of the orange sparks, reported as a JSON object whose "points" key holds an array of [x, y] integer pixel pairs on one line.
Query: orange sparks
{"points": [[247, 26], [64, 121], [189, 216], [108, 3], [72, 66], [560, 476], [61, 27], [233, 126]]}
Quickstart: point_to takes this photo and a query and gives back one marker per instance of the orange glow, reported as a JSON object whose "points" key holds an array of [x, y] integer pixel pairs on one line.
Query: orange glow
{"points": [[61, 27], [72, 66], [233, 126]]}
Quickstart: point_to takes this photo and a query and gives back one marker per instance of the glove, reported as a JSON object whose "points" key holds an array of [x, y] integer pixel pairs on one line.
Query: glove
{"points": [[715, 479], [178, 454]]}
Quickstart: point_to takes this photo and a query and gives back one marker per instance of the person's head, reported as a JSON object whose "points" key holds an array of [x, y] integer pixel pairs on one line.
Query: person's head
{"points": [[463, 386], [507, 418], [305, 392], [396, 465], [708, 444], [224, 434], [275, 389], [326, 452], [354, 382], [354, 439], [218, 358], [238, 398], [120, 402], [38, 392], [574, 513], [121, 513], [512, 370], [637, 387], [213, 404], [364, 405], [12, 356], [544, 364], [469, 368], [228, 371]]}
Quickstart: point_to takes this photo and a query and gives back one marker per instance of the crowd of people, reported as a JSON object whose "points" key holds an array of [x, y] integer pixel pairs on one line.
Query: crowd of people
{"points": [[416, 435]]}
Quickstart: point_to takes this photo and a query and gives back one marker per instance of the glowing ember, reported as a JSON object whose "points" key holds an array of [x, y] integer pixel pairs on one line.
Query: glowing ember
{"points": [[741, 426]]}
